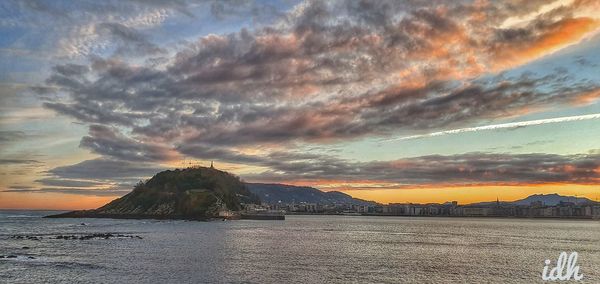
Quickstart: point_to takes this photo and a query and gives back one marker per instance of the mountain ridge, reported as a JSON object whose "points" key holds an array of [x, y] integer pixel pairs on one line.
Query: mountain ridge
{"points": [[550, 199], [273, 193]]}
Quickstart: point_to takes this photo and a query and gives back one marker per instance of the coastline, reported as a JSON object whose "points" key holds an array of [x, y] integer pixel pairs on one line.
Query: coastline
{"points": [[238, 216], [76, 214], [448, 216], [80, 214]]}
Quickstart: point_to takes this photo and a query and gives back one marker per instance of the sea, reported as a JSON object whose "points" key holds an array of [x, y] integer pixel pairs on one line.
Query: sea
{"points": [[301, 249]]}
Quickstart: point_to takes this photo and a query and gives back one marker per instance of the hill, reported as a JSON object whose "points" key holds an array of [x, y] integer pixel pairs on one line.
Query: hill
{"points": [[546, 199], [551, 199], [282, 193], [192, 193]]}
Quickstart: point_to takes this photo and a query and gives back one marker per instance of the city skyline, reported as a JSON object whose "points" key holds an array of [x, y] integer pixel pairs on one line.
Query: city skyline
{"points": [[422, 102]]}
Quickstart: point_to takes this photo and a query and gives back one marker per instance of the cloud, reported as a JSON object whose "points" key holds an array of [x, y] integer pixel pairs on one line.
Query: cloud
{"points": [[436, 170], [516, 46], [476, 168], [310, 78], [20, 187], [70, 190], [110, 143], [168, 113], [68, 182], [131, 41], [127, 28], [10, 136], [106, 169], [85, 28], [19, 161], [469, 169], [324, 71]]}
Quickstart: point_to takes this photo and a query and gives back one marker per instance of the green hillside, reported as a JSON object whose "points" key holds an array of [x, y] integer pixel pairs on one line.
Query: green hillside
{"points": [[192, 193]]}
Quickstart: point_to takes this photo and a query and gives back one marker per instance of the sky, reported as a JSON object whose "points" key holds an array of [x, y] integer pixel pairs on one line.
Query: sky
{"points": [[391, 101]]}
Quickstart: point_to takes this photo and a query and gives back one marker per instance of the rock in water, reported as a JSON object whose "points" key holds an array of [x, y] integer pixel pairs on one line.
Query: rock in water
{"points": [[192, 193]]}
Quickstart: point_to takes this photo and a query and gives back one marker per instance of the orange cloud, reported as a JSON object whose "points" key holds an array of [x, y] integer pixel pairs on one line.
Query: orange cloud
{"points": [[561, 34], [587, 98]]}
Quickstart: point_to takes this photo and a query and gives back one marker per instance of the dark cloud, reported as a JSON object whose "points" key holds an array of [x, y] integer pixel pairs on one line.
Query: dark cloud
{"points": [[105, 169], [463, 169], [11, 136], [91, 112], [131, 41], [86, 191], [274, 159], [109, 142], [92, 177], [19, 161], [68, 182], [70, 69], [20, 187], [77, 191], [583, 62], [24, 190], [476, 168], [212, 153]]}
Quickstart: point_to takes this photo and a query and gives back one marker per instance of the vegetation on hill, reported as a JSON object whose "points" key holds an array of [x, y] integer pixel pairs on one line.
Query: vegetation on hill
{"points": [[283, 193], [192, 193]]}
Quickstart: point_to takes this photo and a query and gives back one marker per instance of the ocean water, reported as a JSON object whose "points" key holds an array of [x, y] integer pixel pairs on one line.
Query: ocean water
{"points": [[301, 249]]}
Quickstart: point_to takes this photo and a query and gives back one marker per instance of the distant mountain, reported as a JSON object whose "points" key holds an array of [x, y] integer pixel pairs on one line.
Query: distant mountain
{"points": [[192, 193], [547, 199], [552, 199], [276, 193]]}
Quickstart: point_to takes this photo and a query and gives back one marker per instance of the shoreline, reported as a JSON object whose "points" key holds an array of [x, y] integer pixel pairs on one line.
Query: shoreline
{"points": [[445, 216], [83, 214], [92, 214], [208, 219]]}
